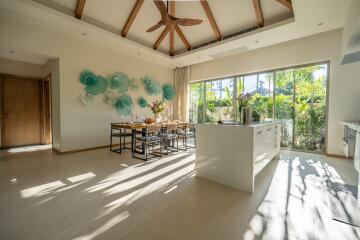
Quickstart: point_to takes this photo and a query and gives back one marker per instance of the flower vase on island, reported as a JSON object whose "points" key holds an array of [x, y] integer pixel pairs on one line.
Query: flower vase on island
{"points": [[244, 108], [157, 107]]}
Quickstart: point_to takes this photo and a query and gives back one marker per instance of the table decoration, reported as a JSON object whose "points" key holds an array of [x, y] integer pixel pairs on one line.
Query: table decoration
{"points": [[156, 108]]}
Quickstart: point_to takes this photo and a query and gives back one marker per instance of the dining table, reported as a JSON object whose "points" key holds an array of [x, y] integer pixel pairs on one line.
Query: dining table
{"points": [[135, 127]]}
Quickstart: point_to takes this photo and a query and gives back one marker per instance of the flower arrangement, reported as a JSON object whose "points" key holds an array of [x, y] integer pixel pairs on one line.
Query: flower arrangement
{"points": [[157, 107], [244, 99]]}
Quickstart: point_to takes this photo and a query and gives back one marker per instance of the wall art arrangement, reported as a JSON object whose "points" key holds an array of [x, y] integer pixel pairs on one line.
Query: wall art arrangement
{"points": [[116, 88]]}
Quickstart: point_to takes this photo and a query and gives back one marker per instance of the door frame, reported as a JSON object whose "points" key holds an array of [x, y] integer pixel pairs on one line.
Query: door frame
{"points": [[49, 77], [3, 76]]}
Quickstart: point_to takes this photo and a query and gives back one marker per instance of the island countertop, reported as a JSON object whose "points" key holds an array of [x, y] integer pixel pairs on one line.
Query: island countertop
{"points": [[253, 125], [234, 154]]}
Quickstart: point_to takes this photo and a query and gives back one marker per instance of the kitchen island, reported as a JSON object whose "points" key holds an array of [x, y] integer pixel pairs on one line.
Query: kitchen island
{"points": [[233, 154]]}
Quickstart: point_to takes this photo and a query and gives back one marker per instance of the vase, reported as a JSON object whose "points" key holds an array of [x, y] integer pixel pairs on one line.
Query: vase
{"points": [[157, 118], [246, 115]]}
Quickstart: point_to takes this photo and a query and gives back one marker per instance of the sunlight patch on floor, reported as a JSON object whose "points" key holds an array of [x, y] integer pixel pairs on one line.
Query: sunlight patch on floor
{"points": [[29, 148], [109, 224], [81, 177], [41, 190]]}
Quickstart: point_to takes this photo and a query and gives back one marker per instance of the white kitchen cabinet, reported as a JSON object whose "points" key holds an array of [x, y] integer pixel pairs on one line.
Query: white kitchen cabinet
{"points": [[234, 154]]}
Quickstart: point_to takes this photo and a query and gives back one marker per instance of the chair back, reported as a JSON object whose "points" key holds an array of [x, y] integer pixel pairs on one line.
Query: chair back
{"points": [[171, 127], [153, 129], [190, 126], [181, 125]]}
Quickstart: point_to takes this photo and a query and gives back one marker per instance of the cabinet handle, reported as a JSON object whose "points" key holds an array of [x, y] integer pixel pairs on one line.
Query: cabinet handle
{"points": [[259, 132]]}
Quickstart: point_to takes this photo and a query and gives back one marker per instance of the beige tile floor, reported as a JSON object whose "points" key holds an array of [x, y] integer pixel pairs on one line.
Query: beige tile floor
{"points": [[103, 195]]}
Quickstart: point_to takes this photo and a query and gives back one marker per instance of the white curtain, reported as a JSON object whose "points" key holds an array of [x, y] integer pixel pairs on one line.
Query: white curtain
{"points": [[181, 103]]}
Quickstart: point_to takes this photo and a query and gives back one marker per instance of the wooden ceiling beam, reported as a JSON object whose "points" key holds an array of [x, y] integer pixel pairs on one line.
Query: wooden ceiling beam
{"points": [[259, 14], [161, 37], [286, 3], [211, 19], [182, 37], [79, 8], [171, 34], [132, 17]]}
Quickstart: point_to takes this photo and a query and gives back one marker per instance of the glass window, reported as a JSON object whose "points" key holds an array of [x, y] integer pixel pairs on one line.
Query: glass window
{"points": [[219, 99]]}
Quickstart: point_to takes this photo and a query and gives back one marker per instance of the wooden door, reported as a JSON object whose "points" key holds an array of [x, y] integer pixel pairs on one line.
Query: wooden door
{"points": [[21, 112]]}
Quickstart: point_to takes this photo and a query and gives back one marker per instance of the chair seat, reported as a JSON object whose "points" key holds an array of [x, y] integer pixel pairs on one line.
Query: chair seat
{"points": [[168, 135], [148, 138], [188, 133]]}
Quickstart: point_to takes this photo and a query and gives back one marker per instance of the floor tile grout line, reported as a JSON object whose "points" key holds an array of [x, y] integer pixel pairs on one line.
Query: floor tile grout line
{"points": [[64, 214], [141, 225]]}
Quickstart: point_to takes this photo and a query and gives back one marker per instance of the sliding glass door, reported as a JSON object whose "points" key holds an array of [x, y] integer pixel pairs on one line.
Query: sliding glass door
{"points": [[212, 100], [294, 96], [284, 105], [197, 103], [310, 108]]}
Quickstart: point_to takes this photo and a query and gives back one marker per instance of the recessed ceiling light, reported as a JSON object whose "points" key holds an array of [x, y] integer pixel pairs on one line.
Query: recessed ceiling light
{"points": [[84, 33], [12, 51], [320, 24]]}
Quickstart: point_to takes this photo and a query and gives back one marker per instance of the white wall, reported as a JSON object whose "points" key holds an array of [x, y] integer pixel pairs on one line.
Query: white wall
{"points": [[344, 83], [79, 126], [21, 68]]}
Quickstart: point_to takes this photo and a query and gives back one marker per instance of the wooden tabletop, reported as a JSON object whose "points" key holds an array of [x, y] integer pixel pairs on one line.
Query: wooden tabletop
{"points": [[142, 125]]}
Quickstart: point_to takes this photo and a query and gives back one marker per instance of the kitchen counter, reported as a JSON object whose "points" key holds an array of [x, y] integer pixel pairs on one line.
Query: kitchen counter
{"points": [[352, 124], [233, 154]]}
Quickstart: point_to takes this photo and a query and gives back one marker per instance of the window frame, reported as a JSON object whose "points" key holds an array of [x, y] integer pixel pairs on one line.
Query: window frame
{"points": [[273, 71]]}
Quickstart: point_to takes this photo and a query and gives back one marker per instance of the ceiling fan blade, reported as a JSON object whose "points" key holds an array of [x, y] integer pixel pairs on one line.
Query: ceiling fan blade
{"points": [[188, 21], [162, 8], [156, 26]]}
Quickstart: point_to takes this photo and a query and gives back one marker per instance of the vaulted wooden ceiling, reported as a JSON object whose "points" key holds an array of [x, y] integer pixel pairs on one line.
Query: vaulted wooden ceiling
{"points": [[172, 31]]}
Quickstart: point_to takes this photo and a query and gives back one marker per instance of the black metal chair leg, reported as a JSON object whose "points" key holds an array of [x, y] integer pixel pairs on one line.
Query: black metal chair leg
{"points": [[146, 151], [120, 140], [111, 140], [160, 149], [133, 143]]}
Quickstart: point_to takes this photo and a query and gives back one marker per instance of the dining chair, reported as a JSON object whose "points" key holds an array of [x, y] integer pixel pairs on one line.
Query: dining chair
{"points": [[169, 135], [185, 132], [149, 138], [119, 133]]}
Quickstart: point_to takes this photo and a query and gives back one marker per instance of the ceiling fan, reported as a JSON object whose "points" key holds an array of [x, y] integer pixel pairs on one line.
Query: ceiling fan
{"points": [[169, 20]]}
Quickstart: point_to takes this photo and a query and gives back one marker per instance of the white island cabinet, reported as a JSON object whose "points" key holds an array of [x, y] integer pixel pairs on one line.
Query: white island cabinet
{"points": [[234, 154]]}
